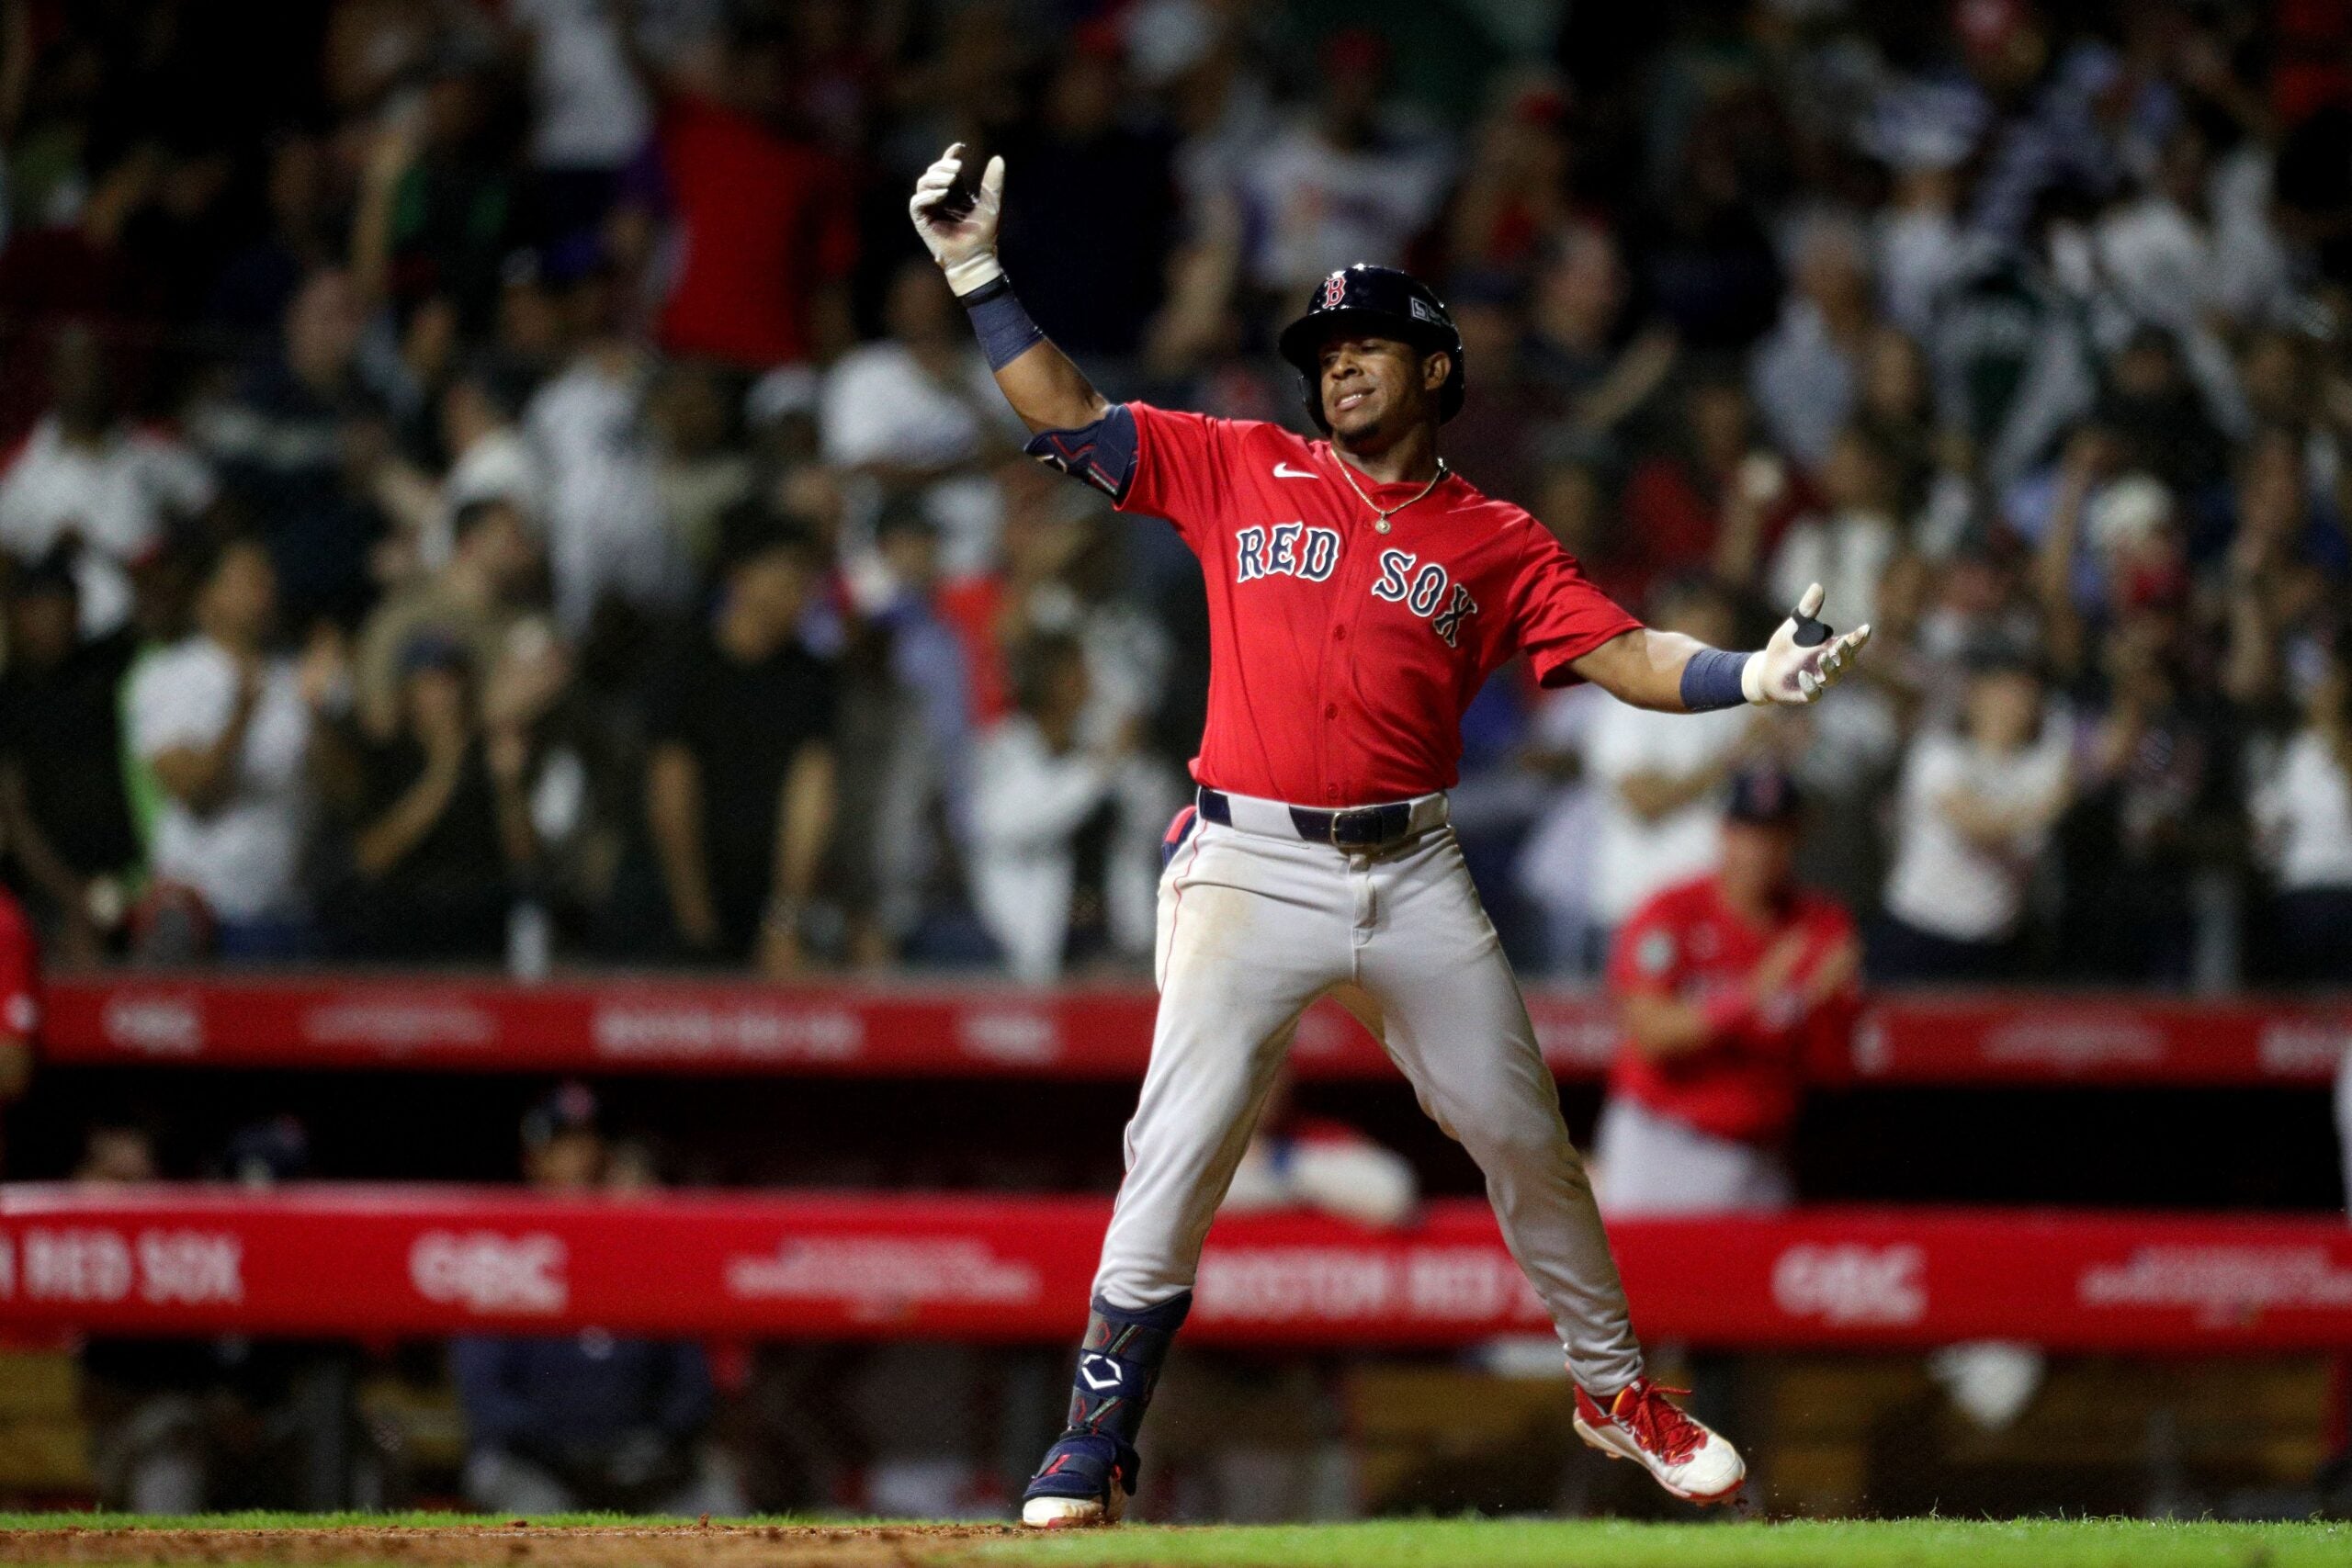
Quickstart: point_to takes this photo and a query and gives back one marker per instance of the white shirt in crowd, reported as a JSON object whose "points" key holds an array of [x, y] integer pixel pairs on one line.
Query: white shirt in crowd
{"points": [[118, 498], [1920, 250], [2178, 270], [2303, 812], [589, 112], [879, 405], [1028, 803], [1315, 207], [1554, 865], [1945, 883], [1847, 553], [1633, 856], [243, 856], [606, 528], [1803, 383]]}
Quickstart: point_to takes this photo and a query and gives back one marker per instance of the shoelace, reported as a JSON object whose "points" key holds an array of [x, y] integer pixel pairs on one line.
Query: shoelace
{"points": [[1656, 1424]]}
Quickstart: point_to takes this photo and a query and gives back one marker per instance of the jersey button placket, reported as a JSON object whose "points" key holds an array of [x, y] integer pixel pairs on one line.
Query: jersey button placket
{"points": [[1355, 591]]}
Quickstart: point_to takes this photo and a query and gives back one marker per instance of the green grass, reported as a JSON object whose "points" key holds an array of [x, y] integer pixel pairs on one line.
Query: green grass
{"points": [[1476, 1544], [1901, 1543]]}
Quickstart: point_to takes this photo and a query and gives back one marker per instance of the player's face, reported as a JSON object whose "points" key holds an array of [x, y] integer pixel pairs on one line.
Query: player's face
{"points": [[1376, 388], [569, 1161], [1760, 860]]}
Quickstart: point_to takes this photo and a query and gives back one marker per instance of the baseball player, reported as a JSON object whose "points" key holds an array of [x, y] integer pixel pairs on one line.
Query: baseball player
{"points": [[1724, 985], [1360, 591]]}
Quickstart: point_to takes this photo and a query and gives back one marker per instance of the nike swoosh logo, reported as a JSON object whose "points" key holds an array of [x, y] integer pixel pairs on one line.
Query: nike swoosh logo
{"points": [[1284, 471]]}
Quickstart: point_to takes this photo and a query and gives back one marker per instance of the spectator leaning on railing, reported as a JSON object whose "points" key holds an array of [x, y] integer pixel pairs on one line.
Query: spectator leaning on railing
{"points": [[1973, 812], [1660, 779], [444, 839], [740, 785], [2303, 813], [64, 815], [1064, 830], [226, 724]]}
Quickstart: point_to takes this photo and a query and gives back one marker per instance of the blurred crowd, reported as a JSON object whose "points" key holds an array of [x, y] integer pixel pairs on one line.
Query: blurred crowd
{"points": [[497, 481]]}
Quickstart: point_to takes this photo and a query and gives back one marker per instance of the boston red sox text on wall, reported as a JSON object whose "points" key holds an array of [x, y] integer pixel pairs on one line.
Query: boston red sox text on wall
{"points": [[429, 1261]]}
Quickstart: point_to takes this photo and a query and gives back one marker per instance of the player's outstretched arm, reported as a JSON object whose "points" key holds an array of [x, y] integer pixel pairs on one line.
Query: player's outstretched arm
{"points": [[1674, 674], [959, 228]]}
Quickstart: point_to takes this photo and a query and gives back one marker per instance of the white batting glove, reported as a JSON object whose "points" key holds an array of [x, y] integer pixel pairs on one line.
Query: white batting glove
{"points": [[965, 246], [1796, 673]]}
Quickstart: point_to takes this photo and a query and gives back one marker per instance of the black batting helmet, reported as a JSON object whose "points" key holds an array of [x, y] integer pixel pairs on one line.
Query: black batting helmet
{"points": [[1380, 300]]}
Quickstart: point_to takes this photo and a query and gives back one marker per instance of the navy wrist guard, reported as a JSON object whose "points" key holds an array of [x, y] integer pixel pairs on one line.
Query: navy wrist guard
{"points": [[1005, 331], [1711, 680]]}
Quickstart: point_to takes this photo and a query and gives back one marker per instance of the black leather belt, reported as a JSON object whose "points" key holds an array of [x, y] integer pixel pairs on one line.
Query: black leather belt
{"points": [[1363, 828]]}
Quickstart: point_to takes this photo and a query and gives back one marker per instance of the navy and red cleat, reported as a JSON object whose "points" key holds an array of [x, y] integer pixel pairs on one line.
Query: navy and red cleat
{"points": [[1085, 1479]]}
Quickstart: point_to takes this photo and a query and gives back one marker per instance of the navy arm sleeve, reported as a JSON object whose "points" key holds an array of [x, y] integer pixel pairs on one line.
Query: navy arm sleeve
{"points": [[1103, 454]]}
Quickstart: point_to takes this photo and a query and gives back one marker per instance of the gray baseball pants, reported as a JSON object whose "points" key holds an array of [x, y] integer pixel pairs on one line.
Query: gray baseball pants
{"points": [[1256, 924]]}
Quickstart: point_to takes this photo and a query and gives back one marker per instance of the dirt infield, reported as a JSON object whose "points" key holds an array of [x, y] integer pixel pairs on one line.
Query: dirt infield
{"points": [[508, 1546], [435, 1541]]}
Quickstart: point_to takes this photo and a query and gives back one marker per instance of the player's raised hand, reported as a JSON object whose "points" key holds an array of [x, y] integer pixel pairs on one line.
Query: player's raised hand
{"points": [[1804, 657], [957, 222]]}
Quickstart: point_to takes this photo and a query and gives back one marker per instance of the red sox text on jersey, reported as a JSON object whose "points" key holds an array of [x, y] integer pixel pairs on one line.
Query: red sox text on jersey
{"points": [[1293, 549], [1343, 654]]}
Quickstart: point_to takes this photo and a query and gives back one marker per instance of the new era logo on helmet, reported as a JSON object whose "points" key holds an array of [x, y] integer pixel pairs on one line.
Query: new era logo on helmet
{"points": [[1424, 312], [1335, 288]]}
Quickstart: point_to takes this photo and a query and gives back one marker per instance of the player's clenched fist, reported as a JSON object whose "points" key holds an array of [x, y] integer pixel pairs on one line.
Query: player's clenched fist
{"points": [[1804, 659], [962, 239]]}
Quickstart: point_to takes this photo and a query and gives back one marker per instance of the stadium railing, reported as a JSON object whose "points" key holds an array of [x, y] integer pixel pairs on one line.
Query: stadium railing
{"points": [[620, 1024]]}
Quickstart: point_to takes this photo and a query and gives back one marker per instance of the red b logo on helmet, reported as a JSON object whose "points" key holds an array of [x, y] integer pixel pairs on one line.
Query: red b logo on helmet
{"points": [[1335, 288]]}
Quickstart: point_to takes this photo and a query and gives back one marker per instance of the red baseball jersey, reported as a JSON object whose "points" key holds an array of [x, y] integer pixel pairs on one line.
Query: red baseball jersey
{"points": [[1686, 943], [1342, 652]]}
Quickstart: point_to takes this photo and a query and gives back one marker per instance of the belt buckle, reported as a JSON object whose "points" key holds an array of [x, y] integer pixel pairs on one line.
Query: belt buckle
{"points": [[1372, 812]]}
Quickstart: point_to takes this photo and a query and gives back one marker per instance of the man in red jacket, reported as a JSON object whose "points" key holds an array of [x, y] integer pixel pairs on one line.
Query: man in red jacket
{"points": [[1726, 985]]}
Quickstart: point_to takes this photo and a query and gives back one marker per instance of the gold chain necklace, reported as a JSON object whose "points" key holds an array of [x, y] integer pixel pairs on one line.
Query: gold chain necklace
{"points": [[1380, 526]]}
